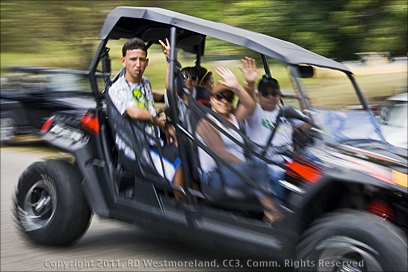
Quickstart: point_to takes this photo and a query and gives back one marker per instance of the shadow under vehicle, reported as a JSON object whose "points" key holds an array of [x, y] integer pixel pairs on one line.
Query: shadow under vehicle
{"points": [[30, 95], [345, 188]]}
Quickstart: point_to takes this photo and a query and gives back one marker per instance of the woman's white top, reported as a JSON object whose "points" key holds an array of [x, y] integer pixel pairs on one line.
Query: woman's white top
{"points": [[206, 161]]}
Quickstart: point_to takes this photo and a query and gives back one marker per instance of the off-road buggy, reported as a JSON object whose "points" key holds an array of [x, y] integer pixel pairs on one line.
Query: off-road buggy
{"points": [[345, 197]]}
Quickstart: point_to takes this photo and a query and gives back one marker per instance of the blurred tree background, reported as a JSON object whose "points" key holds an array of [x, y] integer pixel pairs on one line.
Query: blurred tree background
{"points": [[334, 28]]}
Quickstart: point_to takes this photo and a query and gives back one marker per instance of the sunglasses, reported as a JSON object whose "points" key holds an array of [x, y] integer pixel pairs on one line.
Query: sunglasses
{"points": [[220, 96], [193, 78], [268, 93]]}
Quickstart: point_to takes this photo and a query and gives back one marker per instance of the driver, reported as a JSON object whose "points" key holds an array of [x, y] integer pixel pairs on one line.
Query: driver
{"points": [[263, 121], [133, 97]]}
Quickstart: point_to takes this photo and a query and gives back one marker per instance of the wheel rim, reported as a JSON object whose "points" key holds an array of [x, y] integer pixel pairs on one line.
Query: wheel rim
{"points": [[39, 205], [343, 254], [7, 129]]}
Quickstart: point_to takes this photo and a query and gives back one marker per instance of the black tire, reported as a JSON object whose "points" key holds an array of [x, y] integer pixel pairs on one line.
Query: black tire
{"points": [[350, 240], [50, 206]]}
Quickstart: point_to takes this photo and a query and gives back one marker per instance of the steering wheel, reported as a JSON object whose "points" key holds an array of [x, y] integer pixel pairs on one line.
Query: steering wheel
{"points": [[301, 138]]}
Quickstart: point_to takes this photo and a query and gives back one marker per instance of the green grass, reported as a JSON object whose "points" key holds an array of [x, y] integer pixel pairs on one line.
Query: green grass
{"points": [[376, 85], [64, 60]]}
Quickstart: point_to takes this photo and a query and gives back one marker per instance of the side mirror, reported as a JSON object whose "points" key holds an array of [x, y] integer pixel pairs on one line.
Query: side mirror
{"points": [[291, 112], [306, 71]]}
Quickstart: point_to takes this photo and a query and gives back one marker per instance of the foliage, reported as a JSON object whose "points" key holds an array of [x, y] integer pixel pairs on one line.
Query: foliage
{"points": [[337, 28]]}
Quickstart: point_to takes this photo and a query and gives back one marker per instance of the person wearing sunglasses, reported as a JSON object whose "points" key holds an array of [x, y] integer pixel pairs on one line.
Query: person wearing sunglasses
{"points": [[218, 176], [263, 121], [191, 81], [190, 78]]}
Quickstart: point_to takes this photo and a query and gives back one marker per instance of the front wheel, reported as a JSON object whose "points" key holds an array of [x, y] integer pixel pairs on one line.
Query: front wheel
{"points": [[351, 240], [49, 204]]}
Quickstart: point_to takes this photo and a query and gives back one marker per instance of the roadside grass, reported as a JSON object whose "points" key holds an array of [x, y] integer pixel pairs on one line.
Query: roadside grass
{"points": [[378, 86], [44, 60], [376, 82]]}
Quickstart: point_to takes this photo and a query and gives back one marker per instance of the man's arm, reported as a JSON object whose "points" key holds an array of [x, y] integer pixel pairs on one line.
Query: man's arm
{"points": [[166, 52], [250, 74], [140, 114], [159, 98]]}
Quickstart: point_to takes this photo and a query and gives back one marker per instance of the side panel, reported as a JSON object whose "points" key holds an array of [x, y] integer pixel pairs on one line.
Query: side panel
{"points": [[65, 133], [91, 186]]}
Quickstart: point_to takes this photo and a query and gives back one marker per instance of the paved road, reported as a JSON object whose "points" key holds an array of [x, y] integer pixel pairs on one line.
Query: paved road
{"points": [[107, 245]]}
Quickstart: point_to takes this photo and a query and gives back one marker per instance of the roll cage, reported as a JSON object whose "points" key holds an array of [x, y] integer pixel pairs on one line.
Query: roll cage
{"points": [[189, 34]]}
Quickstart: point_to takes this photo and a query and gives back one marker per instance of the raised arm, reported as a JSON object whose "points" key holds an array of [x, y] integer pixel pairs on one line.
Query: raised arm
{"points": [[166, 52], [247, 104], [250, 74]]}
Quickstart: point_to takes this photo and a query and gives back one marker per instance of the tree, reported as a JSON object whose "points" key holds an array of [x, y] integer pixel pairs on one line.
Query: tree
{"points": [[336, 28]]}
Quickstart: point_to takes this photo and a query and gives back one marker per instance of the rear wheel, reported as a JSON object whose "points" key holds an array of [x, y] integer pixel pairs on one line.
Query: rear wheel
{"points": [[50, 206], [351, 240]]}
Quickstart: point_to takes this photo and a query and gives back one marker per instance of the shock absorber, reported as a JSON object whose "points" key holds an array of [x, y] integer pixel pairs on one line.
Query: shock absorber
{"points": [[381, 208]]}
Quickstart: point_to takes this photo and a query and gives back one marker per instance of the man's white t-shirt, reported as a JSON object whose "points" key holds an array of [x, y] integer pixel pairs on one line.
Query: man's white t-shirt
{"points": [[261, 124]]}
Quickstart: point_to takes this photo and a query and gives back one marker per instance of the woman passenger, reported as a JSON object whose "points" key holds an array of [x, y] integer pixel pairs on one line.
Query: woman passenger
{"points": [[215, 176]]}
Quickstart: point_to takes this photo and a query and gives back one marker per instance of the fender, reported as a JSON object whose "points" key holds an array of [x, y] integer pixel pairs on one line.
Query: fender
{"points": [[78, 133]]}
